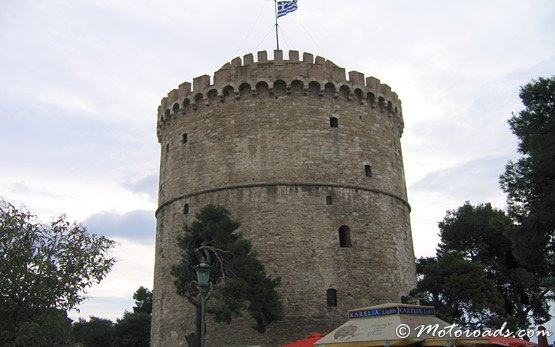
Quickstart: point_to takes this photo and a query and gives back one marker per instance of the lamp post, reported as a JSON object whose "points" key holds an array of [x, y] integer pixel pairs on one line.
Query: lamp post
{"points": [[203, 282]]}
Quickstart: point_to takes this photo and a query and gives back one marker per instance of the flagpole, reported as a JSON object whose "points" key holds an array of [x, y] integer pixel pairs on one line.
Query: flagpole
{"points": [[277, 37]]}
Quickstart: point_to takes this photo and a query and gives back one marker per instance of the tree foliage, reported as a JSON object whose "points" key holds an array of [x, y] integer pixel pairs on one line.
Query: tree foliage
{"points": [[97, 332], [143, 300], [238, 280], [458, 289], [133, 330], [476, 280], [45, 267], [50, 328], [530, 181]]}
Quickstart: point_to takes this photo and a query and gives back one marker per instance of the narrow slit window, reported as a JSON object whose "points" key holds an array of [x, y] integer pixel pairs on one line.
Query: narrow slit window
{"points": [[368, 170], [184, 138], [334, 123], [186, 209], [331, 295], [167, 147], [329, 200], [345, 237]]}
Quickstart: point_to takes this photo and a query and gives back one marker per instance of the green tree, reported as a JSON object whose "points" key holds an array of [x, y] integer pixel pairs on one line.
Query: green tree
{"points": [[483, 234], [458, 289], [133, 330], [97, 332], [530, 181], [143, 300], [51, 328], [238, 279], [475, 243], [44, 268]]}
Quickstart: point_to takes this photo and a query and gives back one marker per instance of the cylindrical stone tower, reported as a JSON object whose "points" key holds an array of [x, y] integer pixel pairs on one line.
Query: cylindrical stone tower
{"points": [[309, 162]]}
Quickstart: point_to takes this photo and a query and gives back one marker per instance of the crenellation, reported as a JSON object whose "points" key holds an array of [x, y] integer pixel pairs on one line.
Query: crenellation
{"points": [[262, 56], [172, 97], [223, 75], [319, 60], [331, 63], [356, 78], [278, 56], [373, 83], [201, 83], [236, 62], [338, 74], [184, 90], [308, 58], [395, 98], [293, 56], [386, 90], [248, 59]]}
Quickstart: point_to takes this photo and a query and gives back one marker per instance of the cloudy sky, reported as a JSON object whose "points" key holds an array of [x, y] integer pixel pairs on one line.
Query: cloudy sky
{"points": [[80, 83]]}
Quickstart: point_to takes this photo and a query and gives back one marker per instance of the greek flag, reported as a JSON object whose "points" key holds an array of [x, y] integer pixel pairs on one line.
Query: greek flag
{"points": [[285, 7]]}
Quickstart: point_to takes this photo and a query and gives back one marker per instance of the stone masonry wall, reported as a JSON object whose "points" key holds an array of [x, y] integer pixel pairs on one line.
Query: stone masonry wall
{"points": [[259, 141]]}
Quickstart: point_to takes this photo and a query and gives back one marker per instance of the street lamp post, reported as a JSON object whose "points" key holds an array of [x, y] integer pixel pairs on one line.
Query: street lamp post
{"points": [[203, 282]]}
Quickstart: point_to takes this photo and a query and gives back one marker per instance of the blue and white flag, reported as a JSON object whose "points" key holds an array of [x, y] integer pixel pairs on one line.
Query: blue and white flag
{"points": [[285, 7]]}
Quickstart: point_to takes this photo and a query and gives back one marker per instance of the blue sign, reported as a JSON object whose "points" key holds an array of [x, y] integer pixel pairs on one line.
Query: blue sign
{"points": [[386, 311]]}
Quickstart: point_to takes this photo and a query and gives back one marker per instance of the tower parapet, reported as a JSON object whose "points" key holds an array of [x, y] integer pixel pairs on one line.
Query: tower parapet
{"points": [[315, 76]]}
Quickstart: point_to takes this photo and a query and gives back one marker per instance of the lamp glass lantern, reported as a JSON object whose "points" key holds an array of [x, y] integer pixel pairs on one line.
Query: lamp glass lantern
{"points": [[203, 273]]}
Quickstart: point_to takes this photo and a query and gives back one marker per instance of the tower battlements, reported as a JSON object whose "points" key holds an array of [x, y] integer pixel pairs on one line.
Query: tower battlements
{"points": [[314, 76]]}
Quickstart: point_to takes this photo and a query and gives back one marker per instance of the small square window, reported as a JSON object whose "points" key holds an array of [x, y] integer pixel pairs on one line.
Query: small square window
{"points": [[368, 170], [331, 295], [345, 237], [334, 123]]}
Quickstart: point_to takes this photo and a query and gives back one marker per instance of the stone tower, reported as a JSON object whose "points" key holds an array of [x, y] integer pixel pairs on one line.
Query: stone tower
{"points": [[310, 163]]}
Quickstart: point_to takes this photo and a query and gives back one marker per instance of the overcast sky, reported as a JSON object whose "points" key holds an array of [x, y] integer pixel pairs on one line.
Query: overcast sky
{"points": [[80, 83]]}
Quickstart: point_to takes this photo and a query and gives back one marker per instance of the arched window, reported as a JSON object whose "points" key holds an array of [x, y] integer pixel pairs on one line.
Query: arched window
{"points": [[328, 200], [358, 94], [331, 295], [212, 94], [329, 89], [297, 87], [228, 92], [334, 123], [262, 88], [381, 103], [345, 237], [245, 89], [344, 91], [280, 88], [314, 88], [371, 99]]}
